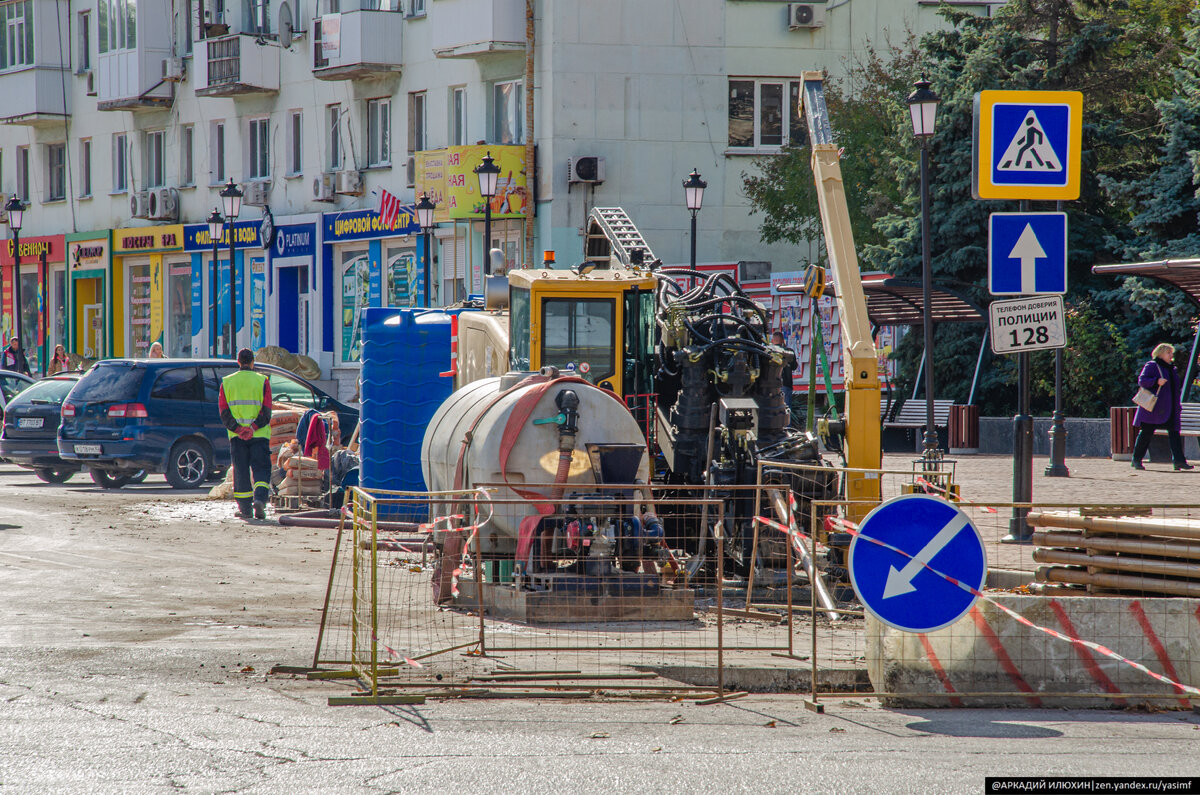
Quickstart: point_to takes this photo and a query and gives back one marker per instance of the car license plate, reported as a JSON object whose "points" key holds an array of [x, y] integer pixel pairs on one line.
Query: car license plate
{"points": [[30, 422], [87, 449]]}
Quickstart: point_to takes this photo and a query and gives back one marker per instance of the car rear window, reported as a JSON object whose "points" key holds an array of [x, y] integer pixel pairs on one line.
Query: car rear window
{"points": [[108, 382], [52, 390]]}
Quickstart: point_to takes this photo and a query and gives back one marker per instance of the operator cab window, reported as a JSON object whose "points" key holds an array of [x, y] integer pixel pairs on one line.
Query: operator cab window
{"points": [[518, 329], [577, 334]]}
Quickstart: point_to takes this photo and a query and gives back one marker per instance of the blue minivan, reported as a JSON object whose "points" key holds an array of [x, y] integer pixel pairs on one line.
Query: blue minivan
{"points": [[160, 415]]}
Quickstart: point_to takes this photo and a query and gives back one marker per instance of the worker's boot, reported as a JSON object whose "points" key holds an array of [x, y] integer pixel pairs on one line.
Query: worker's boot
{"points": [[260, 509], [243, 511]]}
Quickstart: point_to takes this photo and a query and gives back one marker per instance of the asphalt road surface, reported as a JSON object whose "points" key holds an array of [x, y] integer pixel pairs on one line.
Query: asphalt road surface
{"points": [[139, 627]]}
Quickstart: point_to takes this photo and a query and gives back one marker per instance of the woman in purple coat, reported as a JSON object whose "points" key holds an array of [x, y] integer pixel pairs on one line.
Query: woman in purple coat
{"points": [[1159, 375]]}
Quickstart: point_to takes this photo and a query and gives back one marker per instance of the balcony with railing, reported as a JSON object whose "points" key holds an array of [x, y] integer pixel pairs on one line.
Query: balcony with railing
{"points": [[33, 68], [240, 63], [356, 44], [477, 28]]}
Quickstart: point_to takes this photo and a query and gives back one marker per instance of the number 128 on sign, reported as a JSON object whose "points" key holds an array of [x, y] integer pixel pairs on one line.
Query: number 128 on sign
{"points": [[1027, 324]]}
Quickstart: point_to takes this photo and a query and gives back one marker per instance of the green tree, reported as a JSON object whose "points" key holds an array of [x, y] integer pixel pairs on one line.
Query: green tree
{"points": [[1098, 366]]}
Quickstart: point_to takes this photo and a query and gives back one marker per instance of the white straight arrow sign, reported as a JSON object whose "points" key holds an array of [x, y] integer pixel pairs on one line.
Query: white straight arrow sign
{"points": [[900, 582], [1029, 251]]}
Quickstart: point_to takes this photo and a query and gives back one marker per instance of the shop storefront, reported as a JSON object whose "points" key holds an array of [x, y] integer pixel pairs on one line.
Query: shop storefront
{"points": [[294, 317], [370, 265], [147, 264], [448, 177], [35, 300], [205, 281], [89, 332]]}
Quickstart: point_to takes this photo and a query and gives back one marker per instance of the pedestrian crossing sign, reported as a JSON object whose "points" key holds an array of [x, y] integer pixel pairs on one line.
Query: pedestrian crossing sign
{"points": [[1027, 145]]}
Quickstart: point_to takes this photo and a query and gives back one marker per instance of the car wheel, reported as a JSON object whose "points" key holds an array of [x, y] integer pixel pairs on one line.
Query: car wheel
{"points": [[61, 475], [107, 480], [188, 465]]}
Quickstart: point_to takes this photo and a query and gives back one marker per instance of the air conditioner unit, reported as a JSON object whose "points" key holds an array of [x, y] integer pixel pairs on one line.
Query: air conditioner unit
{"points": [[349, 183], [139, 204], [90, 76], [256, 194], [322, 188], [164, 204], [173, 70], [587, 169], [803, 16]]}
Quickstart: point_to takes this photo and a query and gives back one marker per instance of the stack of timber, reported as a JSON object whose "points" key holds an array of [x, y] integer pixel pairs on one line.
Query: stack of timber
{"points": [[1148, 555]]}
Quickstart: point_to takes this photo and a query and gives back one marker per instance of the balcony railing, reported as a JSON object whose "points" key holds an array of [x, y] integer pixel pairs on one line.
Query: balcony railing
{"points": [[241, 63]]}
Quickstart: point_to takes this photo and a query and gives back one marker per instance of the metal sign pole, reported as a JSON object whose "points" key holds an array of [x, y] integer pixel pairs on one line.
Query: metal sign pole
{"points": [[1018, 530]]}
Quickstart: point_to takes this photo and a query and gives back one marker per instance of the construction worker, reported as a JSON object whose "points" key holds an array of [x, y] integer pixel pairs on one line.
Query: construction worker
{"points": [[245, 404]]}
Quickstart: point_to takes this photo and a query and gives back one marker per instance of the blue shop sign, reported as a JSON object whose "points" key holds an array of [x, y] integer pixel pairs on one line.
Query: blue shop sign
{"points": [[297, 240], [360, 224], [195, 236]]}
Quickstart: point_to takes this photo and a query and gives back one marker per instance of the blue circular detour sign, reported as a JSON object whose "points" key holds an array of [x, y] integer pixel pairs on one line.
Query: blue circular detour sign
{"points": [[900, 590]]}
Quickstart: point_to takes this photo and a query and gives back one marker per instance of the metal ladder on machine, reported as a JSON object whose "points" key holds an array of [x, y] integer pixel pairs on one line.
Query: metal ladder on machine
{"points": [[612, 240]]}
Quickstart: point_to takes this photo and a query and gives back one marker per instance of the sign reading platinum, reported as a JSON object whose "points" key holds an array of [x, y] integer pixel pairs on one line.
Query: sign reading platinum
{"points": [[1028, 324]]}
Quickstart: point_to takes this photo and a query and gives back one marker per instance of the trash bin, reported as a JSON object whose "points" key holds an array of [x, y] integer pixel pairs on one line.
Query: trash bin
{"points": [[1121, 432], [964, 429]]}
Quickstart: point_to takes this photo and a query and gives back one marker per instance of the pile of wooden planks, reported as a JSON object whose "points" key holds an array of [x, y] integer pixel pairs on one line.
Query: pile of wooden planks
{"points": [[1149, 555]]}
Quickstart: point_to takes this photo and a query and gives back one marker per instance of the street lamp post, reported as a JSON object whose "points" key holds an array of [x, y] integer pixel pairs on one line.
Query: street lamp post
{"points": [[215, 224], [16, 217], [425, 209], [489, 174], [231, 199], [922, 106], [693, 195]]}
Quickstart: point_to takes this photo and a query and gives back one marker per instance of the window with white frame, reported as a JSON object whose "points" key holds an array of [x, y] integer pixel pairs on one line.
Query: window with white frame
{"points": [[85, 168], [187, 157], [333, 133], [16, 34], [508, 112], [56, 172], [764, 113], [155, 175], [120, 166], [216, 157], [85, 41], [260, 149], [117, 24], [379, 132], [23, 173], [416, 121], [416, 8], [295, 141], [458, 115], [258, 17]]}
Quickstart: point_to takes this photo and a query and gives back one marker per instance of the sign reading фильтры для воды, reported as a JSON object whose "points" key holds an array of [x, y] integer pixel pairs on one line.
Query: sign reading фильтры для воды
{"points": [[1027, 145], [1027, 324]]}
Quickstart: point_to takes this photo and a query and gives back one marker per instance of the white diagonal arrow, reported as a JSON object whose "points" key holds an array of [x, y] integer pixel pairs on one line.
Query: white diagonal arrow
{"points": [[900, 582], [1029, 251]]}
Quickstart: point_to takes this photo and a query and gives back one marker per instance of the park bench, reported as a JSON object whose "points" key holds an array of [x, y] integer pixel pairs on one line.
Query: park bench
{"points": [[912, 415], [1189, 419]]}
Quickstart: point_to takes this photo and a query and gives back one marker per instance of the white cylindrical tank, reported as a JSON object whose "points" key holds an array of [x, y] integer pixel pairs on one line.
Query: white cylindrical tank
{"points": [[477, 410]]}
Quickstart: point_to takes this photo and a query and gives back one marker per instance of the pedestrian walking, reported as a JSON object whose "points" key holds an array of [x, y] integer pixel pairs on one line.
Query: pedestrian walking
{"points": [[14, 358], [156, 351], [1160, 377], [245, 404], [61, 363]]}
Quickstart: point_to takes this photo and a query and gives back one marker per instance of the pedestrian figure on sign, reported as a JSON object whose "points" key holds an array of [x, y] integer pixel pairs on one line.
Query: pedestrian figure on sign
{"points": [[1160, 376], [245, 404]]}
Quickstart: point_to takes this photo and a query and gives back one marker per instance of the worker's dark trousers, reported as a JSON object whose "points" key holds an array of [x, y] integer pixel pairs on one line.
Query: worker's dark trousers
{"points": [[252, 457]]}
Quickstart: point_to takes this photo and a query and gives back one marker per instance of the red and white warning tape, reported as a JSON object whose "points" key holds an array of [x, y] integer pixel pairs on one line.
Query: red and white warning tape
{"points": [[1160, 651]]}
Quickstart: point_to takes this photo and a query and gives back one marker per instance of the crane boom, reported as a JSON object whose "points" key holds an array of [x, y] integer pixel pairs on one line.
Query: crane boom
{"points": [[861, 364]]}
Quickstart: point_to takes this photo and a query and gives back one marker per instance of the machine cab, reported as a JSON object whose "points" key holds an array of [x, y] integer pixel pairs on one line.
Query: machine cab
{"points": [[598, 325]]}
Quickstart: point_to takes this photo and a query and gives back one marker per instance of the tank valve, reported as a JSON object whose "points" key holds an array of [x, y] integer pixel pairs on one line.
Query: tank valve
{"points": [[568, 405]]}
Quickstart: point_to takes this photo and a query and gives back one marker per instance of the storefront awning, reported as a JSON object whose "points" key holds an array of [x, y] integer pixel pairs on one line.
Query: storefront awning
{"points": [[1181, 273]]}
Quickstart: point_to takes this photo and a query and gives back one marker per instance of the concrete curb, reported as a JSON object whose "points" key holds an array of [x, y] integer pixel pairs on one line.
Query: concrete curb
{"points": [[766, 679], [988, 652]]}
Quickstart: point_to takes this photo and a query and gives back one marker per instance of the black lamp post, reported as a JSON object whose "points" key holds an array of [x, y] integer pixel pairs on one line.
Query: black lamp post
{"points": [[215, 224], [489, 174], [16, 217], [922, 106], [425, 209], [693, 195], [231, 200]]}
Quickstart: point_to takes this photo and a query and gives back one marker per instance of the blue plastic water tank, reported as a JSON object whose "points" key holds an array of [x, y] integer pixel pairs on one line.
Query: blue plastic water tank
{"points": [[404, 350]]}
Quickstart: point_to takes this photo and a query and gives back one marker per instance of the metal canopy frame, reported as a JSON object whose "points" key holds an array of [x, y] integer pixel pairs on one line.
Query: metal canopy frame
{"points": [[1183, 274]]}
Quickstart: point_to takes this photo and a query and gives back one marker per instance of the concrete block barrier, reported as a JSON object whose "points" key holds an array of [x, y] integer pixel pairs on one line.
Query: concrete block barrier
{"points": [[990, 659]]}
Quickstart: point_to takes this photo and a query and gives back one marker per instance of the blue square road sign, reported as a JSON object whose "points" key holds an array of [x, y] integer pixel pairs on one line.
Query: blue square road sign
{"points": [[1027, 253]]}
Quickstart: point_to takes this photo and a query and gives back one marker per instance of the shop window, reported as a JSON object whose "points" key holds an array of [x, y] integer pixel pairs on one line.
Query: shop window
{"points": [[179, 311], [355, 270], [56, 172], [138, 282], [508, 112], [402, 273]]}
